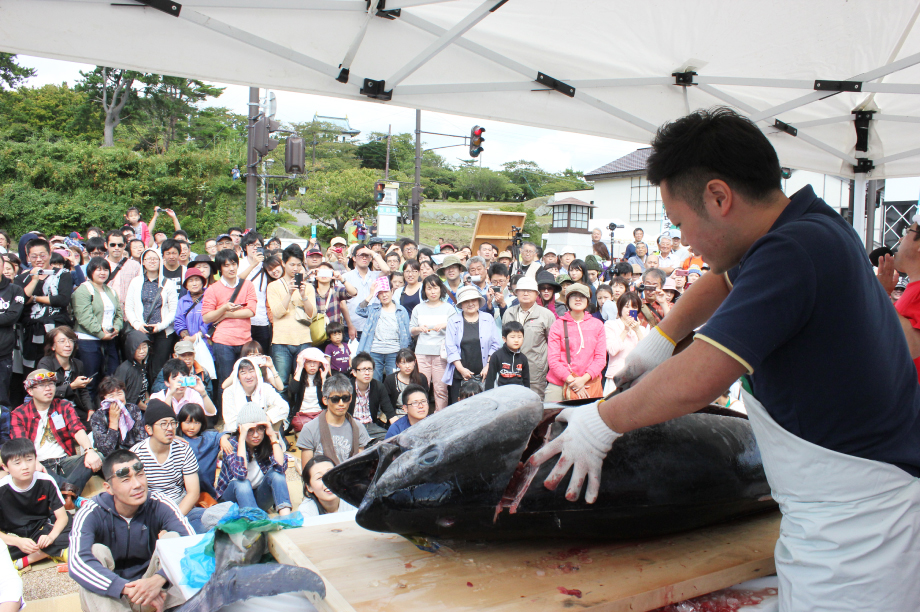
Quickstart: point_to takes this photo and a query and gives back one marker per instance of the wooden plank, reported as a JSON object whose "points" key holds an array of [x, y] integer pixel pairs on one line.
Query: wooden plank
{"points": [[384, 572], [285, 551], [495, 226], [61, 603]]}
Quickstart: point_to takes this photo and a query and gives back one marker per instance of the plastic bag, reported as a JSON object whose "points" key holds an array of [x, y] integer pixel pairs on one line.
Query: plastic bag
{"points": [[204, 358], [198, 563]]}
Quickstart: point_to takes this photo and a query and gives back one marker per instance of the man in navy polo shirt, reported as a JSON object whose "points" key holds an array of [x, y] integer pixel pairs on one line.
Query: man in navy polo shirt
{"points": [[830, 387]]}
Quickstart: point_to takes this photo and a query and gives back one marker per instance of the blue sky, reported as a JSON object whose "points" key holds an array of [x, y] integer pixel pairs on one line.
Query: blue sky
{"points": [[554, 151]]}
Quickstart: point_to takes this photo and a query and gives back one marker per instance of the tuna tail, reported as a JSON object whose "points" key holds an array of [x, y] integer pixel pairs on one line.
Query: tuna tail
{"points": [[263, 580]]}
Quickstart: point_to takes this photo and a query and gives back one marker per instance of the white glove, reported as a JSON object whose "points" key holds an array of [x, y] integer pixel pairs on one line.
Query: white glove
{"points": [[583, 444], [651, 352]]}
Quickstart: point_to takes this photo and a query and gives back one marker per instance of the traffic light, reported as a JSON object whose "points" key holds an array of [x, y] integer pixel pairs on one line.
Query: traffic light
{"points": [[378, 192], [261, 140], [295, 155], [476, 140]]}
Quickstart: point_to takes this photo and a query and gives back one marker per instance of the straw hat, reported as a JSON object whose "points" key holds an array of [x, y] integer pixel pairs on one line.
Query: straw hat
{"points": [[469, 292]]}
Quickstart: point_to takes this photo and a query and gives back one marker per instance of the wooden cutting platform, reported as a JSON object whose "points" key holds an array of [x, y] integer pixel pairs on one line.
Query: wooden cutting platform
{"points": [[367, 571]]}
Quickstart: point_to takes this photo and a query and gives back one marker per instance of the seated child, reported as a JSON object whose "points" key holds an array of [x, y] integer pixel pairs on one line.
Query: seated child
{"points": [[307, 387], [204, 442], [317, 498], [33, 522]]}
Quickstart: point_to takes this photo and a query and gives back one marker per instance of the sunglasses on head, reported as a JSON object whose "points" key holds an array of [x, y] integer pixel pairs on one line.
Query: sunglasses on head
{"points": [[126, 471], [344, 399]]}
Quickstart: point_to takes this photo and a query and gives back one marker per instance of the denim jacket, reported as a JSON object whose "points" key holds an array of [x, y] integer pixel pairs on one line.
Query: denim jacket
{"points": [[372, 313], [490, 340]]}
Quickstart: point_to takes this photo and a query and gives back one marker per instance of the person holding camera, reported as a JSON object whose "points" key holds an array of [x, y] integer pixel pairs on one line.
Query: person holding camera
{"points": [[251, 269], [292, 302], [623, 333], [655, 304], [472, 337], [362, 278], [182, 387]]}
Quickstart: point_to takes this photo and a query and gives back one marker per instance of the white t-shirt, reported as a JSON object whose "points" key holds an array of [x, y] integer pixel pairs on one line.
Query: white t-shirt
{"points": [[167, 477], [47, 445], [260, 283], [254, 473], [310, 403]]}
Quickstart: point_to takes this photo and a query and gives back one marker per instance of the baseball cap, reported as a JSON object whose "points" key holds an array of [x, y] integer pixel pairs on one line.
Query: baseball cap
{"points": [[526, 284], [223, 237], [313, 250], [546, 251], [184, 347], [338, 240], [507, 254], [375, 240], [902, 284]]}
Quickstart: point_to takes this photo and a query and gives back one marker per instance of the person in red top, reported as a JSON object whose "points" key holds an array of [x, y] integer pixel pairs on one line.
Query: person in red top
{"points": [[907, 261], [228, 305], [53, 426]]}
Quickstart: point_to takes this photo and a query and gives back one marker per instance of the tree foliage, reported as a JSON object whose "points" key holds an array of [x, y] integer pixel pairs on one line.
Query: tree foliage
{"points": [[11, 73], [335, 197], [54, 111]]}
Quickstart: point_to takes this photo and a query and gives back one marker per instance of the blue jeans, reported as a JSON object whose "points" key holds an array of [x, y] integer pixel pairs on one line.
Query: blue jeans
{"points": [[99, 358], [384, 364], [284, 357], [272, 491], [225, 356], [194, 518]]}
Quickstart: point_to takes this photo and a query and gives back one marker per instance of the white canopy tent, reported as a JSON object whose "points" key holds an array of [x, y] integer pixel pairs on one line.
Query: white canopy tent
{"points": [[813, 74]]}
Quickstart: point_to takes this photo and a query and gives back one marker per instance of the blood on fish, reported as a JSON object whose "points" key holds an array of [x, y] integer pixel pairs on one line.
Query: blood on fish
{"points": [[726, 600], [408, 565], [469, 584], [566, 591]]}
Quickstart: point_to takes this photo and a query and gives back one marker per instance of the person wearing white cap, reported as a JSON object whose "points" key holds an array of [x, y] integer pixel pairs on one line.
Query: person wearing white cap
{"points": [[537, 322], [549, 257], [471, 339]]}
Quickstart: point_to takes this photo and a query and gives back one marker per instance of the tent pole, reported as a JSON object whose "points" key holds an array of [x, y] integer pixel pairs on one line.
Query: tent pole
{"points": [[872, 189], [417, 188], [859, 206], [252, 173]]}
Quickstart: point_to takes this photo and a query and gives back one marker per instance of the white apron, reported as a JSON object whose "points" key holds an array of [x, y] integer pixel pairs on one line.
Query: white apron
{"points": [[850, 534]]}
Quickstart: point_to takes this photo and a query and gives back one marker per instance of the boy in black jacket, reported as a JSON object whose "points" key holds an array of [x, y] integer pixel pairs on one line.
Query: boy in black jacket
{"points": [[508, 365]]}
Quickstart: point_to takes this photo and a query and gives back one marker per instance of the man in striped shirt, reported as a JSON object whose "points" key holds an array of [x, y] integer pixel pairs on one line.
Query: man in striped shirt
{"points": [[169, 461], [114, 536]]}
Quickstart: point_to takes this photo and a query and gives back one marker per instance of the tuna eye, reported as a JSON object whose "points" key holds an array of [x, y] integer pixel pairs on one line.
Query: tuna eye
{"points": [[430, 457]]}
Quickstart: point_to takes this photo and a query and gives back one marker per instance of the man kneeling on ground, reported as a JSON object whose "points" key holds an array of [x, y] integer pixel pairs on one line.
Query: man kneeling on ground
{"points": [[113, 540]]}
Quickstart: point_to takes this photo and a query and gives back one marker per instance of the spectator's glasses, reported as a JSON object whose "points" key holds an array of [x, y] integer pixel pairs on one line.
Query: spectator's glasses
{"points": [[340, 399], [261, 429], [418, 404], [908, 230], [125, 472], [167, 424], [364, 370]]}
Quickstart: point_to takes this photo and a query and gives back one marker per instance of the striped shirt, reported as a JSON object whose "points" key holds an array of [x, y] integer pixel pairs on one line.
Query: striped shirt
{"points": [[168, 478]]}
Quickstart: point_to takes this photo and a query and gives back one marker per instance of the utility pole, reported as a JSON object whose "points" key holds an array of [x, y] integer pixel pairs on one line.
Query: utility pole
{"points": [[386, 169], [252, 178], [417, 188]]}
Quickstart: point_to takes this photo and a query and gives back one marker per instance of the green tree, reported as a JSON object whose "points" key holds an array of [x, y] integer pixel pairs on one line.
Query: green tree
{"points": [[486, 184], [324, 145], [167, 104], [112, 89], [335, 197], [12, 73], [531, 226], [373, 153], [52, 110]]}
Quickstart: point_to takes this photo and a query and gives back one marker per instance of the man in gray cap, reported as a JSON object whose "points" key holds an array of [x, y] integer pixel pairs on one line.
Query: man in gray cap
{"points": [[536, 321]]}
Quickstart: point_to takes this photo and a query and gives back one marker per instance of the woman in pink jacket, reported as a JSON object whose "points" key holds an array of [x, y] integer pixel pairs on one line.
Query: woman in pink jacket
{"points": [[587, 346], [623, 334]]}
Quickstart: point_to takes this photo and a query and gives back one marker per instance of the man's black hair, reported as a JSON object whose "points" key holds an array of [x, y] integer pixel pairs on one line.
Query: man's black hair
{"points": [[622, 268], [17, 447], [410, 389], [169, 243], [116, 233], [498, 268], [638, 229], [96, 263], [182, 233], [120, 455], [713, 144], [250, 238], [37, 242], [292, 251], [409, 241], [360, 358], [225, 256], [94, 244], [235, 229], [174, 367], [511, 326]]}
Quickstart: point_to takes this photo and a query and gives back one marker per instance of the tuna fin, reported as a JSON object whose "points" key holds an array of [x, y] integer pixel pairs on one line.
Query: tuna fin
{"points": [[262, 580]]}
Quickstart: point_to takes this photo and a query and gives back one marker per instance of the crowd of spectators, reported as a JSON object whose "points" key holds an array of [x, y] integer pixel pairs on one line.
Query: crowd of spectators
{"points": [[187, 379]]}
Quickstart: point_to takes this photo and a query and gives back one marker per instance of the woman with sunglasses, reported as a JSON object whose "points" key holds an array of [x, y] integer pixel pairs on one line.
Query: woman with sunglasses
{"points": [[253, 475], [334, 433]]}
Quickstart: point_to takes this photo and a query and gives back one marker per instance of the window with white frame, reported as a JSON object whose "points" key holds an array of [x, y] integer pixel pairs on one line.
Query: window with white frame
{"points": [[644, 201]]}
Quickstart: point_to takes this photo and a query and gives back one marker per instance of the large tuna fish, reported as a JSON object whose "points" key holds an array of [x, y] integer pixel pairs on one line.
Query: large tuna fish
{"points": [[459, 474]]}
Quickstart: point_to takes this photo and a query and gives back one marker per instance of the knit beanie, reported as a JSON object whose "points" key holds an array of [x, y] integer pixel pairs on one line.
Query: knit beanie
{"points": [[250, 413], [156, 410]]}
